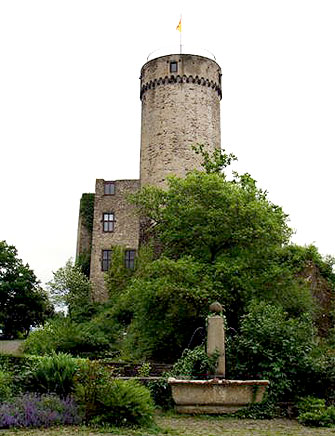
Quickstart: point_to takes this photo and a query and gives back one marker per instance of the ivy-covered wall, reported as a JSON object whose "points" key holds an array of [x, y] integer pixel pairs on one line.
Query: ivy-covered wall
{"points": [[85, 227], [87, 210]]}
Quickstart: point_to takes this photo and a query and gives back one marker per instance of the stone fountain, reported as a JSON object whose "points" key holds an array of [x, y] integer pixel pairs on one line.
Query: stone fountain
{"points": [[216, 395]]}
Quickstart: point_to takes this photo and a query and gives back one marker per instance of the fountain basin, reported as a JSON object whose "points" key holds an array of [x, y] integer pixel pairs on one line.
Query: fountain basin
{"points": [[216, 395]]}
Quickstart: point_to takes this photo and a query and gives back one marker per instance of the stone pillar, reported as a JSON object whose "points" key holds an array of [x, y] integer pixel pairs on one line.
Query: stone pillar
{"points": [[216, 338]]}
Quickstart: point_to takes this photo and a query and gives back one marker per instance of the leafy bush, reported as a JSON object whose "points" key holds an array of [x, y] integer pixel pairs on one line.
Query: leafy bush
{"points": [[64, 335], [54, 374], [33, 410], [161, 393], [118, 276], [6, 385], [328, 378], [20, 370], [110, 401], [270, 345], [265, 410], [88, 381], [314, 412], [124, 402], [194, 364], [168, 303]]}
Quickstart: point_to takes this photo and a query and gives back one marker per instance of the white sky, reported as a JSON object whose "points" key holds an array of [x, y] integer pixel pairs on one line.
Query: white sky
{"points": [[70, 108]]}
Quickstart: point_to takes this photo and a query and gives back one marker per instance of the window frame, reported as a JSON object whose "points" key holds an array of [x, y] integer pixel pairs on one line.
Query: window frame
{"points": [[174, 64], [107, 188], [129, 258], [106, 260], [110, 222]]}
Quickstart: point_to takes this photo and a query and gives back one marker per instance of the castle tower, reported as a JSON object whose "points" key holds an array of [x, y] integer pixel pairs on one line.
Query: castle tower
{"points": [[180, 106]]}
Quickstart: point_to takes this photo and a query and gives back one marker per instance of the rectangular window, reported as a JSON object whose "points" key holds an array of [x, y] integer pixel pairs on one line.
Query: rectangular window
{"points": [[106, 260], [109, 188], [108, 222], [130, 259], [173, 67]]}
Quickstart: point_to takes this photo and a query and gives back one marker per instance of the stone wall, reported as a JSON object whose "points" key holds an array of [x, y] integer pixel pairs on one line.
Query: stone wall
{"points": [[126, 228], [179, 109]]}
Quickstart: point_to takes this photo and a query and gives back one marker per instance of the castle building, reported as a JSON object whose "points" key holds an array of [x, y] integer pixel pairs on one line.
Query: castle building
{"points": [[180, 95]]}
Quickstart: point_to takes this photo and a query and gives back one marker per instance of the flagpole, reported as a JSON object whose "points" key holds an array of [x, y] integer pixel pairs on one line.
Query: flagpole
{"points": [[180, 37]]}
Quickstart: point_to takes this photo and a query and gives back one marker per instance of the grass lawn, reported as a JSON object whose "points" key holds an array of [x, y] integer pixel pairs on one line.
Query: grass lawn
{"points": [[175, 425]]}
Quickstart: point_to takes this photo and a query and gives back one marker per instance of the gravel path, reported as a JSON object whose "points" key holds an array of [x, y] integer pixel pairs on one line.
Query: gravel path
{"points": [[192, 426]]}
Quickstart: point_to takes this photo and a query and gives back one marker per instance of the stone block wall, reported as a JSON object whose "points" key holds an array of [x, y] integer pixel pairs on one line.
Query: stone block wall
{"points": [[179, 109], [126, 228]]}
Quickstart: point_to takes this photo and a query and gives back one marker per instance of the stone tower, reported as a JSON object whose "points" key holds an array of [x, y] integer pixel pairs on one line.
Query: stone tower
{"points": [[180, 106], [180, 97]]}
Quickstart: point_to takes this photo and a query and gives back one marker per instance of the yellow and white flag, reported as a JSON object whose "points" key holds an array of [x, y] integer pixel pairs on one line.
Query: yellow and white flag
{"points": [[179, 26]]}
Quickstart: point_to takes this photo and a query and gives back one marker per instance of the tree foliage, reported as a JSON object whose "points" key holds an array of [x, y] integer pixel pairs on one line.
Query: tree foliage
{"points": [[218, 239], [272, 345], [23, 303], [206, 216], [71, 288]]}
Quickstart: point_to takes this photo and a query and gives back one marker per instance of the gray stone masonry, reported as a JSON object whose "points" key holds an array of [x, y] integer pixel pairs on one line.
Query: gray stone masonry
{"points": [[126, 230], [179, 109], [216, 342]]}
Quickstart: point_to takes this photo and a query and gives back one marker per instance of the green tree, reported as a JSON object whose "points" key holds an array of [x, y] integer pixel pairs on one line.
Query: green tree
{"points": [[168, 300], [215, 239], [207, 216], [23, 303], [71, 288]]}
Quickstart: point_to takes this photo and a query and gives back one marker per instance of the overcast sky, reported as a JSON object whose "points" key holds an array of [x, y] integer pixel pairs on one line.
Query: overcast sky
{"points": [[70, 107]]}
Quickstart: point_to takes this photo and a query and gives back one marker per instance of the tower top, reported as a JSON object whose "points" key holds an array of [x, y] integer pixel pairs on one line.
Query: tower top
{"points": [[181, 68]]}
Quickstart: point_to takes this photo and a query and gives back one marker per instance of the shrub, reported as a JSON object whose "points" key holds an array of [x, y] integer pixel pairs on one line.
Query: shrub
{"points": [[328, 378], [314, 412], [53, 373], [161, 392], [110, 401], [33, 410], [124, 402], [265, 410], [88, 381], [194, 364], [273, 346], [64, 335], [168, 303], [6, 385]]}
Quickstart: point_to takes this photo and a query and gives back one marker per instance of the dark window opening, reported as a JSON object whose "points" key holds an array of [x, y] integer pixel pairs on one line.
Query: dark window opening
{"points": [[130, 259], [108, 222], [106, 260], [109, 188], [173, 67]]}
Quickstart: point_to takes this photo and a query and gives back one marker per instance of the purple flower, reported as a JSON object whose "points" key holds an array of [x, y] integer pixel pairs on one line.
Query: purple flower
{"points": [[34, 410]]}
